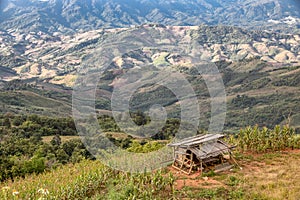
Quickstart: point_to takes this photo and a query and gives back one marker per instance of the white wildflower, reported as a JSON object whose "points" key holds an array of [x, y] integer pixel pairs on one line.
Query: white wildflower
{"points": [[15, 193], [43, 191]]}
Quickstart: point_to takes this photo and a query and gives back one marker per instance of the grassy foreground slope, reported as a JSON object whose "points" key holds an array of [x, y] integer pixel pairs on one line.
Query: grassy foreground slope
{"points": [[263, 176], [86, 180], [269, 175]]}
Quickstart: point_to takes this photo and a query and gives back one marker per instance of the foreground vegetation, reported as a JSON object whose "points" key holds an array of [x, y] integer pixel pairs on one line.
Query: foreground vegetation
{"points": [[261, 140], [35, 144], [23, 151], [89, 179], [264, 176], [267, 173]]}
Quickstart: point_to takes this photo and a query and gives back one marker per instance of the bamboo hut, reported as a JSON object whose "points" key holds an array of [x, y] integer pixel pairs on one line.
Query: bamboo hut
{"points": [[203, 152]]}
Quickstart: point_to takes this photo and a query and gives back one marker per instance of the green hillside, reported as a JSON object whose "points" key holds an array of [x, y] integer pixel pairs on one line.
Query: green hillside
{"points": [[265, 96]]}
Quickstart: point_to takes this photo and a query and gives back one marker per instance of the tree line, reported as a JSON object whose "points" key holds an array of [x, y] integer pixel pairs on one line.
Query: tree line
{"points": [[23, 150]]}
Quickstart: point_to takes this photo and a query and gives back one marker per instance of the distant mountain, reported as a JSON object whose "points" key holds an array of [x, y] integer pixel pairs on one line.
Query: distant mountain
{"points": [[76, 15], [260, 71], [39, 60], [57, 57]]}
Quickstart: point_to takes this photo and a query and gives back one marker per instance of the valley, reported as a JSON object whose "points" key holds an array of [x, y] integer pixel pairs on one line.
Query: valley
{"points": [[260, 74], [68, 129]]}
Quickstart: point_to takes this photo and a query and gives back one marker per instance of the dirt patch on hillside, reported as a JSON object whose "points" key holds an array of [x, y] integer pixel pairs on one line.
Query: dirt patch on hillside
{"points": [[194, 180], [265, 168]]}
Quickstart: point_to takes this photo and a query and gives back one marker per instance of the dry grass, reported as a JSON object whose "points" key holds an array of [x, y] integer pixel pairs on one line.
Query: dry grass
{"points": [[263, 176], [272, 176], [47, 139]]}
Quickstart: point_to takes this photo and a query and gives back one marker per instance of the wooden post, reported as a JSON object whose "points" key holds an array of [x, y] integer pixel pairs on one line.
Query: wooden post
{"points": [[174, 154], [191, 163], [201, 167]]}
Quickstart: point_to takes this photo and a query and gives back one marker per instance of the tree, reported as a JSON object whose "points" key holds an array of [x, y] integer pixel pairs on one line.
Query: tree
{"points": [[139, 118], [77, 155], [56, 140], [62, 156]]}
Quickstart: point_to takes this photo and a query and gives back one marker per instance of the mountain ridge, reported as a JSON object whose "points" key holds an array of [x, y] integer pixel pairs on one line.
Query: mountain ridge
{"points": [[75, 15], [58, 55]]}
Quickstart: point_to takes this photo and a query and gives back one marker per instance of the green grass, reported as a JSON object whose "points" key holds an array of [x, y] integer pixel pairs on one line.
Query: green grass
{"points": [[24, 101], [161, 60]]}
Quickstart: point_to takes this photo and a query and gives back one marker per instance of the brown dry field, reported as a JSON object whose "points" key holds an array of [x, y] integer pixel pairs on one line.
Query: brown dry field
{"points": [[270, 176]]}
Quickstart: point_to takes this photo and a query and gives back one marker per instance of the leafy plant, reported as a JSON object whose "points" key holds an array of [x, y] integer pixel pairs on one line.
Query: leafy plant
{"points": [[263, 139]]}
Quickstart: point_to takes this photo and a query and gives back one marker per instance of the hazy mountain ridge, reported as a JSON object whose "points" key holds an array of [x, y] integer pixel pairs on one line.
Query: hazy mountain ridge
{"points": [[57, 56], [75, 15]]}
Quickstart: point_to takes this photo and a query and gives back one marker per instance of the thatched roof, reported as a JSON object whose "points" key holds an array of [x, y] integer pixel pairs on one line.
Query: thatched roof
{"points": [[204, 146]]}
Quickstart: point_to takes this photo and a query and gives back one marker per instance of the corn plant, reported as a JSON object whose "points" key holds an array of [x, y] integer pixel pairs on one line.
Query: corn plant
{"points": [[264, 139], [88, 179]]}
